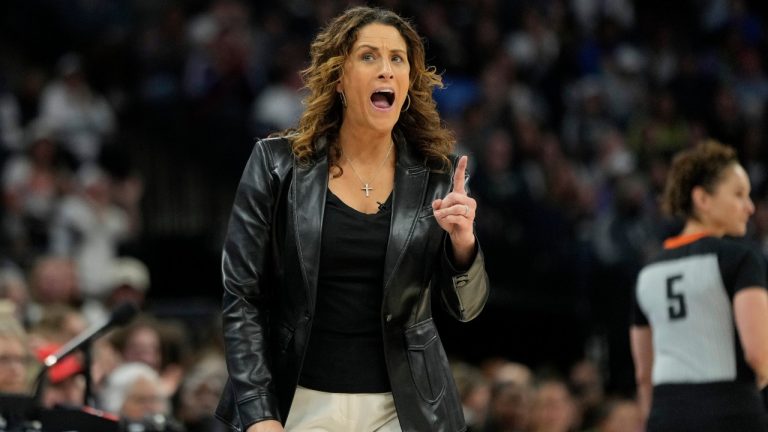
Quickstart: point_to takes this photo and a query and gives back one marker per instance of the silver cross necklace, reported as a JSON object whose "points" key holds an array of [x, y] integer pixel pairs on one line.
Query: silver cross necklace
{"points": [[367, 184]]}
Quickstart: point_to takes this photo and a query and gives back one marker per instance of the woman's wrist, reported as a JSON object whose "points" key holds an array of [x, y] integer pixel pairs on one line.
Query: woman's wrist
{"points": [[463, 250], [266, 426]]}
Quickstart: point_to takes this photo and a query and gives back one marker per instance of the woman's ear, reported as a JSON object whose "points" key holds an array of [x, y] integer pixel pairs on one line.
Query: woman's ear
{"points": [[700, 198]]}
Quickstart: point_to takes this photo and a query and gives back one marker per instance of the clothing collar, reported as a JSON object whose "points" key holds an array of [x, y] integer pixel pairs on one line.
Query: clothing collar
{"points": [[407, 155], [685, 239]]}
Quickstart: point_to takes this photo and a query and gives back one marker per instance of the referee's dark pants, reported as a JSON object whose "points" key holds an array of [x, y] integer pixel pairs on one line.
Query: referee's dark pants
{"points": [[710, 407]]}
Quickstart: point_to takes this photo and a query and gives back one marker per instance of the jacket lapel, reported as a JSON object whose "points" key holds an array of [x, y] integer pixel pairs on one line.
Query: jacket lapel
{"points": [[310, 185], [411, 177]]}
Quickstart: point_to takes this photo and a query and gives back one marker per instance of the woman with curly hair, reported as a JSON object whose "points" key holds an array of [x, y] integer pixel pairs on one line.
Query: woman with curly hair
{"points": [[341, 230], [700, 326]]}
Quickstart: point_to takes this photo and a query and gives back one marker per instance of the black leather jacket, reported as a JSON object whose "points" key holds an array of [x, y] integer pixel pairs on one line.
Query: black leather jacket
{"points": [[270, 270]]}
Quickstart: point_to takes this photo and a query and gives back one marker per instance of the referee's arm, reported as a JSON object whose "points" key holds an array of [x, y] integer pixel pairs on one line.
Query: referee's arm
{"points": [[750, 309], [641, 338]]}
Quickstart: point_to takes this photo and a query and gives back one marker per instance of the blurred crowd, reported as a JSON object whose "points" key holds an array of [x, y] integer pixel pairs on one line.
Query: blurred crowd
{"points": [[125, 124]]}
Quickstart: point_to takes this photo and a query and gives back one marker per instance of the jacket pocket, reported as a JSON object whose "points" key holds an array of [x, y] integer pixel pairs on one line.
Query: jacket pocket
{"points": [[284, 336], [426, 212], [425, 357]]}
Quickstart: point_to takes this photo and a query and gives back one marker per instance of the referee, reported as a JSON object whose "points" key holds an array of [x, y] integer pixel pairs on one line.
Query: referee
{"points": [[700, 325]]}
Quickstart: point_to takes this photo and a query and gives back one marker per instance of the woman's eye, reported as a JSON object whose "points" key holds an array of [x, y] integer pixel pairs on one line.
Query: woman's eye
{"points": [[367, 56], [397, 59]]}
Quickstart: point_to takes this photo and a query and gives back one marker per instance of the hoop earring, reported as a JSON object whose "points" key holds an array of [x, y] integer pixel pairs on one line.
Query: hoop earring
{"points": [[408, 105], [343, 99]]}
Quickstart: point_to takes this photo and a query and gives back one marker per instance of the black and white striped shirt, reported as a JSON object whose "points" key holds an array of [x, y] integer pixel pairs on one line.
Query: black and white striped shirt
{"points": [[686, 295]]}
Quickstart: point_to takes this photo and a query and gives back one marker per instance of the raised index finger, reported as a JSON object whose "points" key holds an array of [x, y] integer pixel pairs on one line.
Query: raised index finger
{"points": [[458, 176]]}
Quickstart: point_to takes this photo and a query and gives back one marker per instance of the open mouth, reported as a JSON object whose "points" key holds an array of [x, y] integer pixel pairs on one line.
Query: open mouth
{"points": [[383, 99]]}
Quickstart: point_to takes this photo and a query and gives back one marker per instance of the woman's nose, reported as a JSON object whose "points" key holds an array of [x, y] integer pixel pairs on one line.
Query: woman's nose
{"points": [[386, 70]]}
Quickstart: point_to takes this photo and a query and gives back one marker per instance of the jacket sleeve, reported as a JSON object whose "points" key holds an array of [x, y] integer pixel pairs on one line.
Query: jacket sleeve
{"points": [[245, 302], [463, 292]]}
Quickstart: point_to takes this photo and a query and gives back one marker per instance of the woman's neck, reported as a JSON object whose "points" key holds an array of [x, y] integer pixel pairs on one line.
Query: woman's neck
{"points": [[364, 145], [693, 226]]}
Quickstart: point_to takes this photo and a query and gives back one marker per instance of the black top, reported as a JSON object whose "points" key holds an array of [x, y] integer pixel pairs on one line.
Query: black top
{"points": [[346, 347]]}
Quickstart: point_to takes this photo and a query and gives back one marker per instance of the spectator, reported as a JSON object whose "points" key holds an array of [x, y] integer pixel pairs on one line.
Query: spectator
{"points": [[105, 358], [142, 342], [516, 373], [553, 408], [662, 133], [133, 391], [511, 396], [129, 284], [54, 280], [619, 415], [588, 390], [14, 290], [57, 323], [535, 47], [278, 106], [32, 184], [15, 359], [475, 394], [509, 408], [586, 120], [65, 385], [89, 228], [79, 117], [751, 85], [200, 392]]}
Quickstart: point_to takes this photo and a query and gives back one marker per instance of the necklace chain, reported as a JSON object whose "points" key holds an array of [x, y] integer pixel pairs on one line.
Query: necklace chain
{"points": [[367, 184]]}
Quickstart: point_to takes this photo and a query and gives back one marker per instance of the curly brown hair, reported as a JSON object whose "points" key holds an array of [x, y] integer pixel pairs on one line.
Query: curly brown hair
{"points": [[322, 116], [701, 166]]}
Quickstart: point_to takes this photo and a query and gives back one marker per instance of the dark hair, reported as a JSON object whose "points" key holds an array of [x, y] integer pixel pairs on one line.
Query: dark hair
{"points": [[323, 114], [701, 166]]}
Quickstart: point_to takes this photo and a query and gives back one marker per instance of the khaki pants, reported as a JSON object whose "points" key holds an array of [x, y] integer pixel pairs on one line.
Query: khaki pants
{"points": [[316, 411]]}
